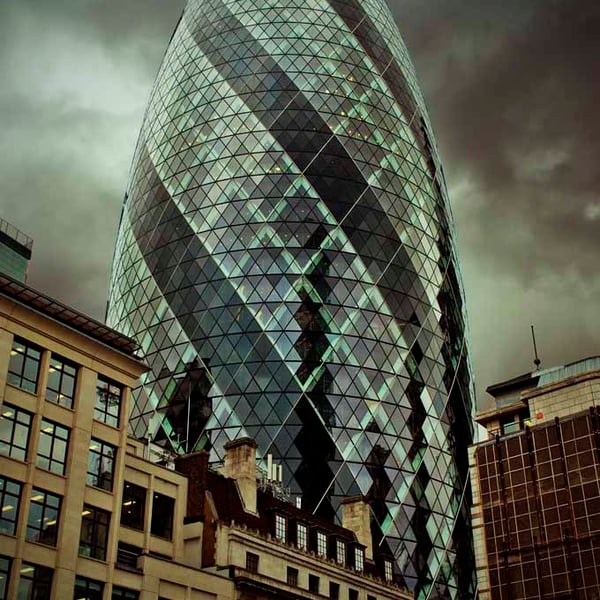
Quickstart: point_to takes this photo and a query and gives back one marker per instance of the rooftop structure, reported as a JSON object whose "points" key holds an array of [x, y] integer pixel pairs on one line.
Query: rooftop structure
{"points": [[15, 251]]}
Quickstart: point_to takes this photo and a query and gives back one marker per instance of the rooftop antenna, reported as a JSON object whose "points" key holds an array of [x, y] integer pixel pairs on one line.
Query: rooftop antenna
{"points": [[537, 362]]}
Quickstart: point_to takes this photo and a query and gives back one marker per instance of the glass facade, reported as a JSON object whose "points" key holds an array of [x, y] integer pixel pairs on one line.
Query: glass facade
{"points": [[285, 259]]}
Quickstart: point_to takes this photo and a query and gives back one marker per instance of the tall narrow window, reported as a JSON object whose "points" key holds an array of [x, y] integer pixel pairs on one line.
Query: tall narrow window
{"points": [[292, 576], [94, 532], [334, 590], [52, 448], [87, 589], [388, 570], [359, 559], [62, 376], [35, 582], [108, 402], [302, 536], [313, 583], [134, 506], [340, 552], [4, 575], [252, 562], [42, 521], [321, 544], [10, 494], [24, 365], [280, 527], [101, 464], [14, 432], [163, 508]]}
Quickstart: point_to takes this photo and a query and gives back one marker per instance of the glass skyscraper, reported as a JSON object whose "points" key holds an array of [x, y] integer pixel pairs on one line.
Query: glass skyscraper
{"points": [[285, 259]]}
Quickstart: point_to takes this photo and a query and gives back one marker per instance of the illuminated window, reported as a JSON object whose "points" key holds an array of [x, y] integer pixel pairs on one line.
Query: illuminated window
{"points": [[340, 552], [108, 402], [101, 464], [24, 365], [14, 432], [302, 536], [62, 377], [321, 544], [359, 559], [34, 582], [52, 447], [10, 494], [388, 570], [134, 506], [42, 521], [94, 532], [280, 527]]}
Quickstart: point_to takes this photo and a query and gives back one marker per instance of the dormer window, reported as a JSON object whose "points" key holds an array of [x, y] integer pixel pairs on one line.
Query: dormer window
{"points": [[359, 559], [321, 544], [302, 536], [281, 528], [340, 552]]}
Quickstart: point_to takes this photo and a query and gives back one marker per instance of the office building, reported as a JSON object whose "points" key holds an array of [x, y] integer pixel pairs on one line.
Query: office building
{"points": [[85, 515], [536, 485], [286, 261], [15, 251]]}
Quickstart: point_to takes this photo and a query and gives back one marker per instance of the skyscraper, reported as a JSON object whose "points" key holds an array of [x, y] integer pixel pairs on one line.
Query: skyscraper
{"points": [[285, 259]]}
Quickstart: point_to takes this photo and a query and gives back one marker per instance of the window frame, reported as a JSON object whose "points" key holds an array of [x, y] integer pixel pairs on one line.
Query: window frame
{"points": [[13, 495], [388, 569], [108, 393], [100, 451], [292, 576], [340, 552], [83, 585], [95, 528], [59, 393], [252, 562], [49, 512], [314, 583], [40, 581], [302, 536], [280, 527], [158, 521], [21, 421], [134, 517], [17, 376], [321, 543], [359, 559], [334, 590], [51, 462], [5, 567], [122, 593]]}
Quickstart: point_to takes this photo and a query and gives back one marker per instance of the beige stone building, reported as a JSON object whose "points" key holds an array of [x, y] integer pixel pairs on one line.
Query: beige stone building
{"points": [[536, 487], [85, 515]]}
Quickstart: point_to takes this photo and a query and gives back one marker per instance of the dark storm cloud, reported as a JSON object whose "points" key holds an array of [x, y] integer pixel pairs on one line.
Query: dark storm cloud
{"points": [[513, 89]]}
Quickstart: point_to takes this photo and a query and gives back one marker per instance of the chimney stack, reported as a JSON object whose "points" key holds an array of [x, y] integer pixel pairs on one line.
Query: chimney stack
{"points": [[356, 516], [240, 464]]}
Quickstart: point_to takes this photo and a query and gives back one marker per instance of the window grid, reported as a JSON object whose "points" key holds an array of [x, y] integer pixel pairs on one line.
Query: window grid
{"points": [[52, 447], [252, 562], [302, 536], [15, 425], [101, 464], [121, 593], [108, 402], [42, 521], [5, 563], [292, 576], [340, 552], [133, 508], [10, 494], [88, 589], [359, 559], [24, 365], [321, 544], [35, 582], [62, 379], [280, 527], [94, 532], [388, 570]]}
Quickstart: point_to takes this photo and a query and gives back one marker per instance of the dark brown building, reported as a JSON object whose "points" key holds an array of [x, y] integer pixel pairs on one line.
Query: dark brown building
{"points": [[537, 487]]}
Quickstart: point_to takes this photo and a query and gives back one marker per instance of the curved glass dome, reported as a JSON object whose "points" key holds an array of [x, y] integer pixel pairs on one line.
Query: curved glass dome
{"points": [[285, 259]]}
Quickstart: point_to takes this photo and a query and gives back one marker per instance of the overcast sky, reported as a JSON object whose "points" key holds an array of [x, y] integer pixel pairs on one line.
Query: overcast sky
{"points": [[513, 89]]}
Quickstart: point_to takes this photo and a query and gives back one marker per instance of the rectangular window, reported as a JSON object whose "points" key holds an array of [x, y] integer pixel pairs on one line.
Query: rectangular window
{"points": [[62, 377], [321, 544], [52, 447], [134, 506], [334, 590], [388, 570], [302, 536], [369, 597], [313, 583], [24, 365], [87, 589], [252, 562], [340, 552], [94, 532], [120, 593], [108, 402], [292, 576], [10, 494], [42, 521], [4, 575], [280, 527], [359, 559], [352, 594], [14, 432], [101, 464], [127, 556], [163, 508], [35, 581]]}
